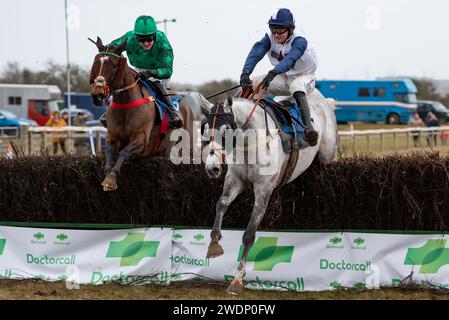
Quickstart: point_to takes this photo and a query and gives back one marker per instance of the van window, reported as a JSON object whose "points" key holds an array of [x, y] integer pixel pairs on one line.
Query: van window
{"points": [[424, 107], [380, 92], [399, 97], [364, 92], [438, 106], [41, 107], [14, 101], [411, 98], [406, 98]]}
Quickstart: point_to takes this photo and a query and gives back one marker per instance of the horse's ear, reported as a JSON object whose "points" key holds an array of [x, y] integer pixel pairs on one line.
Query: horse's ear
{"points": [[229, 101], [100, 45]]}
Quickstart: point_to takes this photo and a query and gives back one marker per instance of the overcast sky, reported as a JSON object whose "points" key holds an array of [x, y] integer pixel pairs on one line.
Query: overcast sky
{"points": [[354, 39]]}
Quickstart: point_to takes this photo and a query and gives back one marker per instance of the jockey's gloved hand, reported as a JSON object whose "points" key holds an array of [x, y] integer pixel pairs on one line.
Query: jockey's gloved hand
{"points": [[147, 74], [268, 78], [245, 81]]}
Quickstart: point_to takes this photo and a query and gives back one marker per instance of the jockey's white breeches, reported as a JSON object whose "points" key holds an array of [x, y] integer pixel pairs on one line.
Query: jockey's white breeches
{"points": [[284, 85]]}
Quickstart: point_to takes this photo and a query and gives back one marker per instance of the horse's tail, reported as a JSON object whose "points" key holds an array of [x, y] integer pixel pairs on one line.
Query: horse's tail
{"points": [[198, 104], [205, 105]]}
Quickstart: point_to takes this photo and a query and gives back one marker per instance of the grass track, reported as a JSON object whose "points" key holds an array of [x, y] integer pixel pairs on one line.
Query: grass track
{"points": [[32, 290]]}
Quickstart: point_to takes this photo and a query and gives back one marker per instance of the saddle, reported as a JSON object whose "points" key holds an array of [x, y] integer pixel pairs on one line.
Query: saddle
{"points": [[161, 106], [287, 118]]}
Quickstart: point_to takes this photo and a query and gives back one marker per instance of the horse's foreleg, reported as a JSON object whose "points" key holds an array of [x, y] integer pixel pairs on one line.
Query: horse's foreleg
{"points": [[110, 182], [262, 197], [110, 155], [232, 188]]}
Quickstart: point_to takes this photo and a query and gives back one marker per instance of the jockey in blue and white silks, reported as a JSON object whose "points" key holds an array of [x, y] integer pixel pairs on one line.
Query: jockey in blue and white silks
{"points": [[294, 61]]}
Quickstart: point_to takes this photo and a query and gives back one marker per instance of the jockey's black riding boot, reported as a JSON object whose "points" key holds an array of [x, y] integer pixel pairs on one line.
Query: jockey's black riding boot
{"points": [[309, 133], [175, 118], [103, 120]]}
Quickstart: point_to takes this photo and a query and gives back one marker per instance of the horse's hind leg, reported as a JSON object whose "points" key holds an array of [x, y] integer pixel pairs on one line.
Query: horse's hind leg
{"points": [[231, 189], [262, 197]]}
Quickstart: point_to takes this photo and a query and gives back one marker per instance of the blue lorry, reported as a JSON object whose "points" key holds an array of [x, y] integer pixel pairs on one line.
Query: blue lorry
{"points": [[390, 101], [84, 101]]}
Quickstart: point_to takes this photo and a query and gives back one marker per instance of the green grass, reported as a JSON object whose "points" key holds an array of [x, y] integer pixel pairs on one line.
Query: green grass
{"points": [[402, 143]]}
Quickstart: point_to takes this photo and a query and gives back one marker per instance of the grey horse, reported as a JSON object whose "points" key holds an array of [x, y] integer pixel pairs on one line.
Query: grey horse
{"points": [[265, 174]]}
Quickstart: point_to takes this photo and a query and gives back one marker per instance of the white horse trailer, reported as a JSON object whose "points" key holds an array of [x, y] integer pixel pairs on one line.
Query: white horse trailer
{"points": [[30, 101]]}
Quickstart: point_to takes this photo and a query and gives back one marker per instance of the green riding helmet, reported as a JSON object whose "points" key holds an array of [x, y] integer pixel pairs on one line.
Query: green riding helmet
{"points": [[144, 26]]}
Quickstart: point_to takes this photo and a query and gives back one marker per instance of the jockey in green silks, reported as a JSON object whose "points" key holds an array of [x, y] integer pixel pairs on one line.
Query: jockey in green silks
{"points": [[151, 54]]}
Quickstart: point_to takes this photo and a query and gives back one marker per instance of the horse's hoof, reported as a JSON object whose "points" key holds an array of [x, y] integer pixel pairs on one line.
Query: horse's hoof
{"points": [[214, 250], [235, 288], [108, 186]]}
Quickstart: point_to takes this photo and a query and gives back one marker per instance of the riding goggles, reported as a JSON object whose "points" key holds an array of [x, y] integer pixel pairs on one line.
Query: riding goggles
{"points": [[278, 30], [146, 38]]}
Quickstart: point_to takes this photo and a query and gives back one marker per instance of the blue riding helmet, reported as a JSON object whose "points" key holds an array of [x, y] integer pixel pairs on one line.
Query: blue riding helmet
{"points": [[282, 18]]}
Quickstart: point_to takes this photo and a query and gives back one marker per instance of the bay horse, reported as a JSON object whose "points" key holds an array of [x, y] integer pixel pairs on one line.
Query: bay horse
{"points": [[234, 114], [133, 126]]}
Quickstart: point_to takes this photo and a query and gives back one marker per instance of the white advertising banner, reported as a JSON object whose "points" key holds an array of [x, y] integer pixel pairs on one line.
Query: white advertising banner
{"points": [[300, 261], [316, 261], [86, 256]]}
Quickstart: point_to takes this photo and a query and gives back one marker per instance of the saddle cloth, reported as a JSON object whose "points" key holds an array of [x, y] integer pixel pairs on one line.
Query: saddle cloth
{"points": [[287, 118], [162, 107]]}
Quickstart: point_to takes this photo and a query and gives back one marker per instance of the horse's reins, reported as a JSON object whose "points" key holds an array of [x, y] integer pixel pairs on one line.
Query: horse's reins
{"points": [[212, 138], [100, 80], [224, 91], [246, 124], [250, 115]]}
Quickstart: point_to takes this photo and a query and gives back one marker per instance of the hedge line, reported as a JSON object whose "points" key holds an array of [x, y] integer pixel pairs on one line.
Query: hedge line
{"points": [[391, 193]]}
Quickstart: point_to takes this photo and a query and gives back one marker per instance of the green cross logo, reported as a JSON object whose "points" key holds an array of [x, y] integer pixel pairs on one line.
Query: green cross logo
{"points": [[198, 237], [266, 254], [335, 240], [132, 249], [335, 284], [176, 277], [62, 277], [177, 236], [197, 279], [38, 235], [2, 245], [61, 237], [359, 241], [431, 256], [360, 285]]}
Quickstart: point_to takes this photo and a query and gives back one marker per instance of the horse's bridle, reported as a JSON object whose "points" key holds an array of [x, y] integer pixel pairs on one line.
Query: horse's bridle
{"points": [[100, 81], [222, 118]]}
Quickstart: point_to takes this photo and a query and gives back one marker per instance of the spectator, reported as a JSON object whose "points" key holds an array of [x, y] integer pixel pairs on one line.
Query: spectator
{"points": [[432, 136], [81, 145], [444, 136], [57, 121], [416, 123]]}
